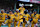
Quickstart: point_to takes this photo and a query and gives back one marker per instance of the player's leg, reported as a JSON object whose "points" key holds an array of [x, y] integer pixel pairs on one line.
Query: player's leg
{"points": [[28, 23], [32, 25], [19, 24], [0, 24], [15, 24], [23, 22], [9, 25]]}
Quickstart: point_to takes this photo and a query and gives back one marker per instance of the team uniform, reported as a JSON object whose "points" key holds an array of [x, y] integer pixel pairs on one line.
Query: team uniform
{"points": [[26, 16], [32, 15], [2, 18], [37, 16], [16, 19], [35, 19], [21, 19], [21, 14], [21, 10], [10, 19]]}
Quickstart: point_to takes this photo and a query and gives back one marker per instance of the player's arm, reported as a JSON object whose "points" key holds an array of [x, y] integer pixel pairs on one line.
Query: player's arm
{"points": [[19, 9], [1, 20]]}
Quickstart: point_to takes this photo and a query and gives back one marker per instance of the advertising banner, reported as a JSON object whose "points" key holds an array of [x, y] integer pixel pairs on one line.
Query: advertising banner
{"points": [[35, 1], [24, 0]]}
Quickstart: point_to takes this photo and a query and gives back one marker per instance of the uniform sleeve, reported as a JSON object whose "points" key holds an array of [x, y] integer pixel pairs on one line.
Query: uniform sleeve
{"points": [[37, 16], [5, 13], [28, 15], [19, 8], [13, 16]]}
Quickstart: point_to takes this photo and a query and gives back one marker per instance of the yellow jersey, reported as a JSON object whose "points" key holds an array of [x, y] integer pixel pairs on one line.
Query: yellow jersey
{"points": [[32, 16], [3, 16], [35, 20], [21, 16], [27, 16], [11, 16], [21, 10], [37, 15], [16, 16]]}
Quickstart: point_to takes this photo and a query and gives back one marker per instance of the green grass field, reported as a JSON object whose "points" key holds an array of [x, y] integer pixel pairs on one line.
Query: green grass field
{"points": [[11, 26], [6, 26]]}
